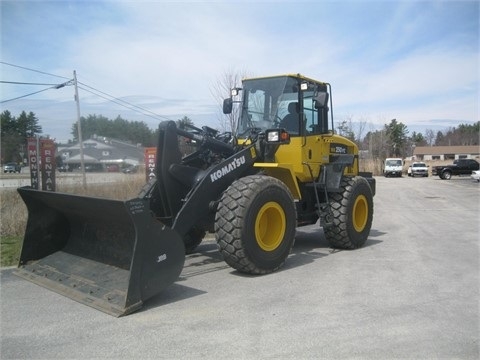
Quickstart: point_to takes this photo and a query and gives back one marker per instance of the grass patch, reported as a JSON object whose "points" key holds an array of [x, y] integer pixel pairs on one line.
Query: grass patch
{"points": [[10, 248]]}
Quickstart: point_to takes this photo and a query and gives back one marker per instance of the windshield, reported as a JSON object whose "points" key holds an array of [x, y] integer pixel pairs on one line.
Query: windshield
{"points": [[394, 162], [419, 165], [283, 102], [266, 102]]}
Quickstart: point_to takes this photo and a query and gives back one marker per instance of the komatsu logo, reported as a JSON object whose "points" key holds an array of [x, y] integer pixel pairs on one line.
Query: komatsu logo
{"points": [[235, 163]]}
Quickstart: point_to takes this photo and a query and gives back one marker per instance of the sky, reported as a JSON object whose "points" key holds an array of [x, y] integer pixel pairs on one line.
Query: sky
{"points": [[414, 61]]}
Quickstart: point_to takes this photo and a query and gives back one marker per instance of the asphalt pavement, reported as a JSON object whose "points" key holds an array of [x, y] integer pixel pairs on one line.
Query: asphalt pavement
{"points": [[412, 292]]}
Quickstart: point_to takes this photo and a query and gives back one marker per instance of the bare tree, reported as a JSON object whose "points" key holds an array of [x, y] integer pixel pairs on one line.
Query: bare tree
{"points": [[430, 137], [361, 125], [221, 90], [345, 128], [352, 129]]}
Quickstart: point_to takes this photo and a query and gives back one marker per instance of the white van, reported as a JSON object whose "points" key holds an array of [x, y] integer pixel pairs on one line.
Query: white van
{"points": [[393, 167]]}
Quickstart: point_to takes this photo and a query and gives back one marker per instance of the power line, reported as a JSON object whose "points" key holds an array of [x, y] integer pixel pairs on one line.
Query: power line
{"points": [[55, 86], [93, 91], [22, 83], [37, 71], [123, 103], [20, 97]]}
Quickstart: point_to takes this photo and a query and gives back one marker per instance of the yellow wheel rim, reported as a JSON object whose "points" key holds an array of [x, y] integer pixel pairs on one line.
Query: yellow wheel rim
{"points": [[360, 213], [270, 226]]}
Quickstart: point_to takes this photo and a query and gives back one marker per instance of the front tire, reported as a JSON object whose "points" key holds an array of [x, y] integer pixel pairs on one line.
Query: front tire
{"points": [[352, 211], [255, 224]]}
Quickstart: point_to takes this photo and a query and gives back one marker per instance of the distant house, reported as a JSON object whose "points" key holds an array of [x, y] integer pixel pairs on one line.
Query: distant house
{"points": [[446, 152], [102, 153]]}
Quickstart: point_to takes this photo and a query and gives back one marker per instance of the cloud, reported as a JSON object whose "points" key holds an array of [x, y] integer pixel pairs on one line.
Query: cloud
{"points": [[416, 62], [418, 76]]}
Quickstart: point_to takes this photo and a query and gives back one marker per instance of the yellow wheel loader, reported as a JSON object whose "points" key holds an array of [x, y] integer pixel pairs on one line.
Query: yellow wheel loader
{"points": [[282, 168]]}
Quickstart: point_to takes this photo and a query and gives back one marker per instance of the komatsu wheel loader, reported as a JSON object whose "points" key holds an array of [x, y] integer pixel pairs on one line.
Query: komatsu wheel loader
{"points": [[283, 167]]}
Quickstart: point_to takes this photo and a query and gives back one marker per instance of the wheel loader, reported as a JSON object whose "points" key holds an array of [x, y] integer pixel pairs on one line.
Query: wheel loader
{"points": [[282, 167]]}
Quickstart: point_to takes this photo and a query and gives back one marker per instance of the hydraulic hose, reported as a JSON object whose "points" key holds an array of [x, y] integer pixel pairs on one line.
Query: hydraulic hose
{"points": [[209, 142]]}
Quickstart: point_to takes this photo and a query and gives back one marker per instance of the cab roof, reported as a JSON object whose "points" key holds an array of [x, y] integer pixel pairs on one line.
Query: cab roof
{"points": [[297, 76]]}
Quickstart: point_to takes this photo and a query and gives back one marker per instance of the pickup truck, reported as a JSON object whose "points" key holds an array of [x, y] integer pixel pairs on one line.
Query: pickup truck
{"points": [[459, 167], [418, 168]]}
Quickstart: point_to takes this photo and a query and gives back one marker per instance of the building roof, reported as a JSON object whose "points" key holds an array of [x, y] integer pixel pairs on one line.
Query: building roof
{"points": [[106, 151], [442, 150]]}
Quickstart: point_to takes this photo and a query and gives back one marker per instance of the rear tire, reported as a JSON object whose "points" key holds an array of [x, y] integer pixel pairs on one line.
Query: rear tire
{"points": [[352, 211], [255, 224]]}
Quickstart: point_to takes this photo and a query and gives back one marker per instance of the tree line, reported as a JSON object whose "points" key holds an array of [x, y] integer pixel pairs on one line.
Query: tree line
{"points": [[135, 132], [16, 130], [392, 140]]}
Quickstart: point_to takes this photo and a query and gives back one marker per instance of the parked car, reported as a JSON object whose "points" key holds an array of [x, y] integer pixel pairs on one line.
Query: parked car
{"points": [[459, 167], [475, 175], [94, 168], [113, 168], [12, 168], [418, 169], [65, 168], [130, 169]]}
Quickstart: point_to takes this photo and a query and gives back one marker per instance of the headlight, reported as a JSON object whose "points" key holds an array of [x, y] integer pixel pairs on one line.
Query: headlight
{"points": [[273, 136], [277, 136]]}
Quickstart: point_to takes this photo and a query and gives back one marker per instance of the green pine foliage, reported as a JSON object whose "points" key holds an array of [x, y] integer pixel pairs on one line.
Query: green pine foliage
{"points": [[14, 134]]}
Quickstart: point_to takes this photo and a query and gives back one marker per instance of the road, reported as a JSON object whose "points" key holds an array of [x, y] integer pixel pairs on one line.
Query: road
{"points": [[412, 292]]}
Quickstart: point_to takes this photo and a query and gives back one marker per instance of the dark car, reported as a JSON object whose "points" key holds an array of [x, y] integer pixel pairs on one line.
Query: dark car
{"points": [[459, 167], [94, 168]]}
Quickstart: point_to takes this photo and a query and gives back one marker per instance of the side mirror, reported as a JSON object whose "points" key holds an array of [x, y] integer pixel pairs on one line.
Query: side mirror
{"points": [[321, 100], [227, 105]]}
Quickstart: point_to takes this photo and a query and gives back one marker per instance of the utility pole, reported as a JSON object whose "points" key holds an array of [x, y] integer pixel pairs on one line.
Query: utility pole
{"points": [[80, 140]]}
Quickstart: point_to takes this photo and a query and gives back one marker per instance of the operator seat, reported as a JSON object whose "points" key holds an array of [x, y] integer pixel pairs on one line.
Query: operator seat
{"points": [[290, 121]]}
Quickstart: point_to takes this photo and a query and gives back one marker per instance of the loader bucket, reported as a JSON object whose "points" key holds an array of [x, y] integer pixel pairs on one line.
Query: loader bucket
{"points": [[111, 255]]}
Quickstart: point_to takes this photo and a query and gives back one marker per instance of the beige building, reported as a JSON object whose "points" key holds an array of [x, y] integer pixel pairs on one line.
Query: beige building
{"points": [[446, 152]]}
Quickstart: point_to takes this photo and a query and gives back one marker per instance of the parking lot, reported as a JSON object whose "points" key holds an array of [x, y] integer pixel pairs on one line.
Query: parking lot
{"points": [[411, 292]]}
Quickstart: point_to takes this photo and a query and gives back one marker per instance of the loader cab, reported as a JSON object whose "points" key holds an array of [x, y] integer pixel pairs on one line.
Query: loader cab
{"points": [[291, 102]]}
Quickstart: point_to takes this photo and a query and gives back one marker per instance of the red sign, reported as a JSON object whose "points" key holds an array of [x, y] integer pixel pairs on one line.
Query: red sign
{"points": [[150, 161], [33, 162], [47, 153]]}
